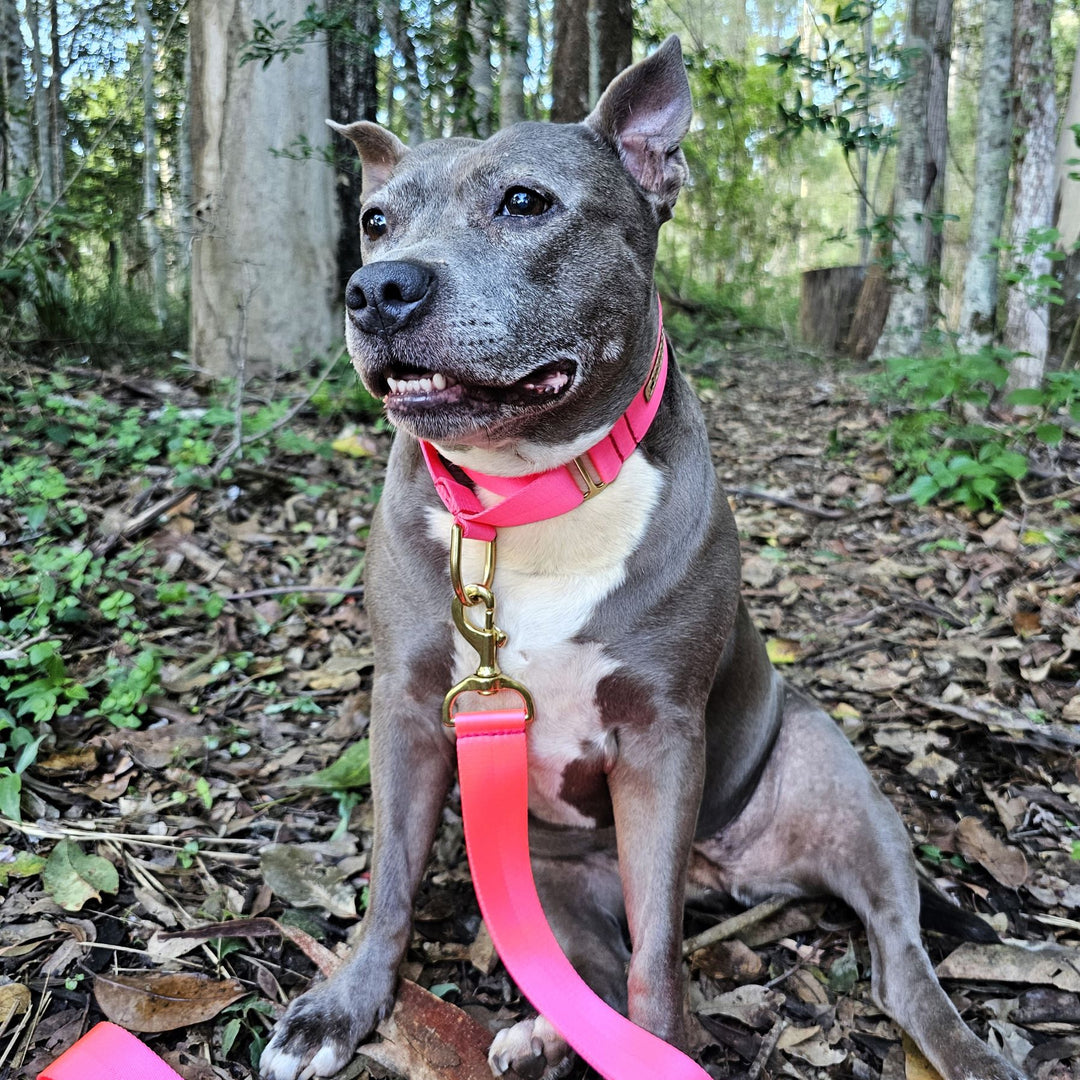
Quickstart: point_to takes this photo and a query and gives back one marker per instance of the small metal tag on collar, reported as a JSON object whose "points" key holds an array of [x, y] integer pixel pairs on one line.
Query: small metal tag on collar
{"points": [[592, 486]]}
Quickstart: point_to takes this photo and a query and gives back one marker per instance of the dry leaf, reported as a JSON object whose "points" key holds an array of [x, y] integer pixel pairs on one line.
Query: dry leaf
{"points": [[426, 1038], [932, 769], [1051, 965], [916, 1067], [783, 650], [149, 1003], [1003, 862], [298, 876], [14, 1001], [756, 1006]]}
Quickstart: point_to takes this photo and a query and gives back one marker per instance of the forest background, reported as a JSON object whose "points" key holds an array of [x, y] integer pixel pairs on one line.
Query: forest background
{"points": [[874, 271]]}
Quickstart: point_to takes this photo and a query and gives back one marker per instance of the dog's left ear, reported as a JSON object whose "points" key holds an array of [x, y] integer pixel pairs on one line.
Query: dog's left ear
{"points": [[645, 113]]}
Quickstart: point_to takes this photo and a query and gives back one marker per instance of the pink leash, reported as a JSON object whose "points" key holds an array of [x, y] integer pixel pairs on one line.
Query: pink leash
{"points": [[108, 1052], [493, 773], [493, 759]]}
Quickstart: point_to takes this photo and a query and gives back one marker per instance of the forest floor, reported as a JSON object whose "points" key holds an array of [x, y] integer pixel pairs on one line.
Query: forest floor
{"points": [[946, 645]]}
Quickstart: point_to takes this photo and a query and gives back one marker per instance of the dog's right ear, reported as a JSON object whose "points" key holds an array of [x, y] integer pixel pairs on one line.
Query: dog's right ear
{"points": [[380, 151]]}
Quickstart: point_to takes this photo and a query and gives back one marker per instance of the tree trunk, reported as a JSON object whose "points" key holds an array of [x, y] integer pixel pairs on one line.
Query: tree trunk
{"points": [[414, 93], [514, 63], [916, 175], [46, 188], [937, 144], [481, 23], [154, 245], [56, 112], [16, 145], [1027, 312], [612, 42], [993, 146], [262, 275], [1065, 320], [570, 63], [827, 305], [353, 96]]}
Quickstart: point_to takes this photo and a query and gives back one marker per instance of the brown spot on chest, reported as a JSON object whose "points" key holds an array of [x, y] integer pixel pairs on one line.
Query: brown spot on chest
{"points": [[585, 788]]}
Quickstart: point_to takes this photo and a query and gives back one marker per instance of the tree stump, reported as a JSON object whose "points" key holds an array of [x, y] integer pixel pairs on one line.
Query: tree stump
{"points": [[827, 305]]}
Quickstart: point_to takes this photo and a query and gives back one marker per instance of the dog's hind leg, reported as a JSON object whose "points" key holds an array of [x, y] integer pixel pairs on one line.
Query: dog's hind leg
{"points": [[817, 824], [582, 899]]}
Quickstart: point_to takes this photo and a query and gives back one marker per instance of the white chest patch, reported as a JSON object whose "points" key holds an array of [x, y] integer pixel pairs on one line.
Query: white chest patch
{"points": [[549, 578]]}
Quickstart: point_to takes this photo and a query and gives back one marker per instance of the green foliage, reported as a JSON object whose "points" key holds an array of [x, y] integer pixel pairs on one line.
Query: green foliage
{"points": [[939, 450]]}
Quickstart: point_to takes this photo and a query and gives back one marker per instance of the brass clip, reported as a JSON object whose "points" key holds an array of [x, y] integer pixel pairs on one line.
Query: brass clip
{"points": [[591, 486], [460, 590], [486, 640]]}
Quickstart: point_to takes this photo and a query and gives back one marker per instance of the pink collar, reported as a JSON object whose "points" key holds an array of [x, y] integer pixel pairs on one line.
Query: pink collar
{"points": [[548, 494]]}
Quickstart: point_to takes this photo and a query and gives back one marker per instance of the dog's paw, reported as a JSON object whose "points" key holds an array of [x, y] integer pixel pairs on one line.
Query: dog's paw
{"points": [[319, 1032], [533, 1049]]}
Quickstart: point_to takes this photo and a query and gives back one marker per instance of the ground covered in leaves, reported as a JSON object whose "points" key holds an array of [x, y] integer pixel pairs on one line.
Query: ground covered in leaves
{"points": [[186, 878]]}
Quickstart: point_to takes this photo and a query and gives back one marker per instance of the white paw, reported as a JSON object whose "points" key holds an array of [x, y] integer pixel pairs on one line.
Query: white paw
{"points": [[532, 1048]]}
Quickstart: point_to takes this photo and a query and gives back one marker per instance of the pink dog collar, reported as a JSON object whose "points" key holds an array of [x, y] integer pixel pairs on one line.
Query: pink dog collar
{"points": [[548, 494]]}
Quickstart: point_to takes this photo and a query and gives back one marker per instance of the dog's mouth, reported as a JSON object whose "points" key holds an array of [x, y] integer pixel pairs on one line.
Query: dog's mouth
{"points": [[407, 390]]}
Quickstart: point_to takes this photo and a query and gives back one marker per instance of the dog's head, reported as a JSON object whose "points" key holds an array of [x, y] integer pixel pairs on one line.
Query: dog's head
{"points": [[505, 293]]}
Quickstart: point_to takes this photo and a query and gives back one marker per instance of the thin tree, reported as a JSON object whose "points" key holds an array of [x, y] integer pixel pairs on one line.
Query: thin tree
{"points": [[611, 32], [920, 168], [1065, 324], [481, 24], [16, 145], [513, 62], [154, 244], [570, 62], [1027, 310], [993, 154]]}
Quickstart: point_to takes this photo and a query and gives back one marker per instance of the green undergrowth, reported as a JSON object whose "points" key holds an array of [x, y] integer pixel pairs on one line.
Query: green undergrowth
{"points": [[946, 442], [76, 600]]}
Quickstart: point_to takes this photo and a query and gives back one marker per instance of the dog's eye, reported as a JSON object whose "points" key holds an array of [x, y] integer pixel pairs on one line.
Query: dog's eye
{"points": [[524, 202], [373, 222]]}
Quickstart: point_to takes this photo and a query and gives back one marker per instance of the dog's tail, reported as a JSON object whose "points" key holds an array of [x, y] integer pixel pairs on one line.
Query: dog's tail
{"points": [[944, 917]]}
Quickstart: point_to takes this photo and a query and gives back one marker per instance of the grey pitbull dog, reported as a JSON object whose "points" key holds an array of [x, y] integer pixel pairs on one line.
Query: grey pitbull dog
{"points": [[506, 313]]}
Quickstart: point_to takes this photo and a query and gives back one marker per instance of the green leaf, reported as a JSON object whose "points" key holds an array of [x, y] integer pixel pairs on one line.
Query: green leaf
{"points": [[1012, 464], [72, 877], [10, 789], [844, 972], [1051, 434], [1025, 397], [924, 489], [351, 770]]}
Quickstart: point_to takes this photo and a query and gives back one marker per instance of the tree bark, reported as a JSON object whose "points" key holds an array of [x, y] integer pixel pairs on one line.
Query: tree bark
{"points": [[993, 146], [570, 63], [353, 96], [262, 274], [1027, 313], [46, 188], [16, 146], [916, 176], [514, 63], [1064, 321], [612, 42], [155, 246], [481, 23], [414, 94]]}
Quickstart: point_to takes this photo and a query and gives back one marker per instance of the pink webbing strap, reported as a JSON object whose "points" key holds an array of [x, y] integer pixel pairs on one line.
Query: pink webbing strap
{"points": [[108, 1052], [493, 774], [548, 494]]}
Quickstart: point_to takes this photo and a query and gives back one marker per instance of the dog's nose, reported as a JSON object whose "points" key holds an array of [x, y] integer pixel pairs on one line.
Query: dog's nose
{"points": [[382, 296]]}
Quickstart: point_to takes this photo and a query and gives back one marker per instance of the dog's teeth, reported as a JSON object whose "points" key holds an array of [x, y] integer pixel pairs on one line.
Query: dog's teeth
{"points": [[438, 381], [393, 385], [425, 385]]}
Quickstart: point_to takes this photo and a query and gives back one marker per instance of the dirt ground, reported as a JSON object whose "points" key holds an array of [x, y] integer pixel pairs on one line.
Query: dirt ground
{"points": [[946, 645]]}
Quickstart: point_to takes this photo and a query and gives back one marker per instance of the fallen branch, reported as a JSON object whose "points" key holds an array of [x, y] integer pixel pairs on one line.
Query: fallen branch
{"points": [[792, 504], [730, 928]]}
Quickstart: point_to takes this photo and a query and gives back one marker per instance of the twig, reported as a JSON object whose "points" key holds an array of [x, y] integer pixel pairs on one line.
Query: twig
{"points": [[285, 590], [1044, 499], [56, 832], [793, 504], [729, 928], [765, 1051]]}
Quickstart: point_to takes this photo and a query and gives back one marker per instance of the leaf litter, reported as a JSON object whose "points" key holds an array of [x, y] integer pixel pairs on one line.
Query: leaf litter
{"points": [[188, 878]]}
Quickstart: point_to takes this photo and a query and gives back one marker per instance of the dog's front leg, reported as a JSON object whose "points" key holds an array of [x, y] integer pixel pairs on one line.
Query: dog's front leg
{"points": [[656, 791], [411, 770]]}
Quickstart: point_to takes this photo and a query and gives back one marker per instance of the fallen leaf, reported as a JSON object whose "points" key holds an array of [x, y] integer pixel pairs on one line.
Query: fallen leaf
{"points": [[1002, 535], [916, 1067], [149, 1003], [20, 864], [427, 1038], [75, 762], [14, 1001], [756, 1006], [299, 877], [932, 769], [905, 739], [1003, 862], [72, 877], [1049, 965], [783, 650], [1071, 712], [351, 770]]}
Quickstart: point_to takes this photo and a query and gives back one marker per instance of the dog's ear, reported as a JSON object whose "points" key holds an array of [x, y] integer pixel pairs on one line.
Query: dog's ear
{"points": [[645, 113], [380, 151]]}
